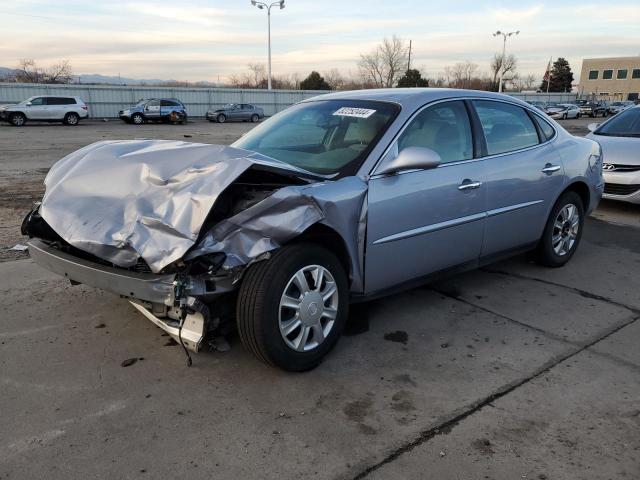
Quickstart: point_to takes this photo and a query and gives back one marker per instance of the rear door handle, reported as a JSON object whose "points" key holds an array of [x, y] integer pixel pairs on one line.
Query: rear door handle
{"points": [[549, 169], [469, 185]]}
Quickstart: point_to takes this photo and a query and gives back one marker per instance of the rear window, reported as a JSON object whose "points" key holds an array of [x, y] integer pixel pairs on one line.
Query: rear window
{"points": [[61, 101], [506, 127]]}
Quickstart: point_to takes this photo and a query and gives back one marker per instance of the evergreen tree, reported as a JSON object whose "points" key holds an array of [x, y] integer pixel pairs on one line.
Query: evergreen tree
{"points": [[413, 78], [314, 82], [561, 77]]}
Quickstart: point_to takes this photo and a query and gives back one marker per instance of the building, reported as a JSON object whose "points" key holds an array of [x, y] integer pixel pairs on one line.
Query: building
{"points": [[615, 78]]}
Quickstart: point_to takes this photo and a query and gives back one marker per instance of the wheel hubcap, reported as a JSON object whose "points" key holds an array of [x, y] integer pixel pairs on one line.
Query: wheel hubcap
{"points": [[308, 308], [565, 229]]}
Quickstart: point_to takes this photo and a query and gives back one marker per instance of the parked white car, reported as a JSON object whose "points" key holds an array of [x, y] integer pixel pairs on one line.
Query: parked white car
{"points": [[45, 108], [620, 142], [563, 111]]}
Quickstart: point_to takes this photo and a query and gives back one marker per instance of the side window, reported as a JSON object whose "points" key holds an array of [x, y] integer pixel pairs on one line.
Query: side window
{"points": [[506, 127], [153, 103], [69, 101], [547, 130], [169, 103], [444, 128], [38, 101]]}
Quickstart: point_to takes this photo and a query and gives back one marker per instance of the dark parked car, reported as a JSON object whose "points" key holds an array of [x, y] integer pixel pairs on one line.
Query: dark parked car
{"points": [[235, 112], [592, 109], [155, 110]]}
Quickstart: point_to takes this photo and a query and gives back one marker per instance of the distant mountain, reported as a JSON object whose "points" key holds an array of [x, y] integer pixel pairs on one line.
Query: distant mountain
{"points": [[94, 78]]}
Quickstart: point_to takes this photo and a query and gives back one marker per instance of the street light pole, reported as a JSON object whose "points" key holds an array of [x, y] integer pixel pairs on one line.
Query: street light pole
{"points": [[261, 6], [504, 52]]}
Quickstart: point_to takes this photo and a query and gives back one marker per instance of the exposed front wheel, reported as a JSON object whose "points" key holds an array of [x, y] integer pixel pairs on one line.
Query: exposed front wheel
{"points": [[254, 118], [71, 119], [292, 308], [137, 119], [17, 119], [221, 118], [562, 232]]}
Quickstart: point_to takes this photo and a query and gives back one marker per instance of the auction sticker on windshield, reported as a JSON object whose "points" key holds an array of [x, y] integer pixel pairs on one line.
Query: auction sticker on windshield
{"points": [[354, 112]]}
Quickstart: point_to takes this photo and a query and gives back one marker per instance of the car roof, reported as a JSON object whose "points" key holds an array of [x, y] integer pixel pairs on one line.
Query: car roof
{"points": [[410, 97]]}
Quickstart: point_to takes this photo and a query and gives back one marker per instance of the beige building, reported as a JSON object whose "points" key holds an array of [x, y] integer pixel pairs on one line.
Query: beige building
{"points": [[615, 78]]}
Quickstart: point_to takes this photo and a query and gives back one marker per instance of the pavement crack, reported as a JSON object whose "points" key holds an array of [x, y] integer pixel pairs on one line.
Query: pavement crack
{"points": [[448, 425], [579, 291]]}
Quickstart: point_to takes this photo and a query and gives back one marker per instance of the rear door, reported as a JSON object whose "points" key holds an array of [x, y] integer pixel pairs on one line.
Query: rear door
{"points": [[169, 106], [423, 221], [524, 175], [59, 106], [152, 109]]}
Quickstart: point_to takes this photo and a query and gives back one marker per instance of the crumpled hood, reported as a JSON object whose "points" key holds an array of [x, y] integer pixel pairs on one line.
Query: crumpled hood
{"points": [[122, 200], [618, 150]]}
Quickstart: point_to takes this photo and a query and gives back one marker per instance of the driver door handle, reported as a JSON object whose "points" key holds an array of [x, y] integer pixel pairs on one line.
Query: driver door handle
{"points": [[469, 185], [549, 169]]}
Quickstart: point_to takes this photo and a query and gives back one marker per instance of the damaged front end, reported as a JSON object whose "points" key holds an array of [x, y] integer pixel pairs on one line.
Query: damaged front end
{"points": [[172, 226]]}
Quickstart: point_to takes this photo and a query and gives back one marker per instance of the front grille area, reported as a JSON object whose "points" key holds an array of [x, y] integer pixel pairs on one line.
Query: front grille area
{"points": [[623, 168], [620, 189]]}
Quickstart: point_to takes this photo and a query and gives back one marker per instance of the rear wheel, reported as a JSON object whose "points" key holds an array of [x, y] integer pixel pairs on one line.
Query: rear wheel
{"points": [[137, 119], [221, 118], [71, 118], [292, 308], [17, 119], [562, 232]]}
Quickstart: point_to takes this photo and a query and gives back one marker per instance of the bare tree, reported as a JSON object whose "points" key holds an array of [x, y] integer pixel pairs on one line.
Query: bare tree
{"points": [[335, 79], [59, 72], [502, 66], [28, 71], [461, 74], [386, 63], [528, 82], [258, 75]]}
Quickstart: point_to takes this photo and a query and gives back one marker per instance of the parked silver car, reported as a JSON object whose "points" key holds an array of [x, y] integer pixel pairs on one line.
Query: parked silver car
{"points": [[619, 138], [45, 108], [343, 197], [235, 112], [562, 111]]}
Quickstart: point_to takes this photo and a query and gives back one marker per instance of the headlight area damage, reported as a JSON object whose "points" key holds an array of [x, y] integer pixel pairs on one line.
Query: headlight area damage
{"points": [[173, 225]]}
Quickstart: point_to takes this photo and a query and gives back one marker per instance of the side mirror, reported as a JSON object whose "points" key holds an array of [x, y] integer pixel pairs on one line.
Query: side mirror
{"points": [[593, 127], [412, 158]]}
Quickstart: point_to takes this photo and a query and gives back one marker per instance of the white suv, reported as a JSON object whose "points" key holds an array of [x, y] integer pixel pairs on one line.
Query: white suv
{"points": [[45, 108]]}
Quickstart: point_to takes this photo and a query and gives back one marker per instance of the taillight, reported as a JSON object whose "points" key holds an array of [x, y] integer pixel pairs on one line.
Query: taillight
{"points": [[84, 107]]}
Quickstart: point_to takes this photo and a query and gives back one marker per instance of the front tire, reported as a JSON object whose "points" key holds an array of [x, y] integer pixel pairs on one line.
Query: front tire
{"points": [[254, 118], [17, 119], [292, 308], [71, 119], [137, 119], [562, 232], [221, 118]]}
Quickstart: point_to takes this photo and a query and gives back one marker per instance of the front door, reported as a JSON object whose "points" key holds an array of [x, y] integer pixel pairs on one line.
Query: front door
{"points": [[524, 176], [38, 110], [423, 221]]}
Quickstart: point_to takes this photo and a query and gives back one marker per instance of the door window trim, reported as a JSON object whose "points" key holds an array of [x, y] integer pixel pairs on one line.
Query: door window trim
{"points": [[373, 175]]}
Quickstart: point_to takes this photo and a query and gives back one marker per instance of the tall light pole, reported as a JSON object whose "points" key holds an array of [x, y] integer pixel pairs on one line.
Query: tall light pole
{"points": [[267, 6], [505, 35]]}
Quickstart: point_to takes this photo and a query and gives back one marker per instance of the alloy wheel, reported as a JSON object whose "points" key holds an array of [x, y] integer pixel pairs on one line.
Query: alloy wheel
{"points": [[565, 229], [308, 308]]}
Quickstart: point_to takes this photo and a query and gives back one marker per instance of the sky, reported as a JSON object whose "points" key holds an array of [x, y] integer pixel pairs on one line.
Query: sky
{"points": [[193, 40]]}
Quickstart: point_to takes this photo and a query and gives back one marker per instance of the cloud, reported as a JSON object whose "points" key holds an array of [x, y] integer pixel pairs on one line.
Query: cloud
{"points": [[516, 16]]}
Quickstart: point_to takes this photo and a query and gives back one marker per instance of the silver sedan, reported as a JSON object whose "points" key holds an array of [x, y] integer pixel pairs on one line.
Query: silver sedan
{"points": [[343, 197]]}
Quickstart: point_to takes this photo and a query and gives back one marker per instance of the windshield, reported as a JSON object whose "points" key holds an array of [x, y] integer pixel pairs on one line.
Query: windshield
{"points": [[325, 137], [229, 106], [625, 124], [24, 102], [141, 102]]}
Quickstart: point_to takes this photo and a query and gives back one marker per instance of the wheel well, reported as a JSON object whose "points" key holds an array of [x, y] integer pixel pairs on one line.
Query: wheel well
{"points": [[327, 237], [582, 190]]}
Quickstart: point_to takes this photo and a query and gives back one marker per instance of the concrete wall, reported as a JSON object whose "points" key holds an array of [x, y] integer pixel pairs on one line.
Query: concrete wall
{"points": [[107, 100]]}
